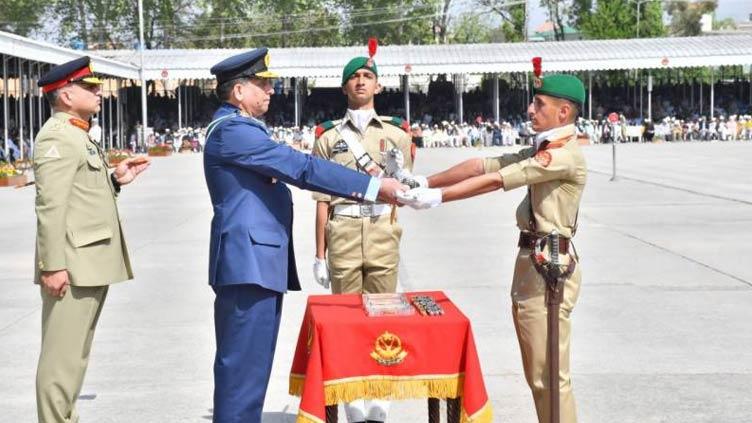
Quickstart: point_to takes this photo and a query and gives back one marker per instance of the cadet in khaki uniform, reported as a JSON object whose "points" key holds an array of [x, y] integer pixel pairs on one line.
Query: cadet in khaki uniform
{"points": [[362, 241], [554, 172], [80, 247]]}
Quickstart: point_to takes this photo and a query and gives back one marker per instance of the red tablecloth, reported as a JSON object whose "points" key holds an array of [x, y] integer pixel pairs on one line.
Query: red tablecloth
{"points": [[342, 355]]}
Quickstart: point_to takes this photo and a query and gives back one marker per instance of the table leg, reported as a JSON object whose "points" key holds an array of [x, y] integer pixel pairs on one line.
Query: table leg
{"points": [[434, 415], [454, 409], [332, 413]]}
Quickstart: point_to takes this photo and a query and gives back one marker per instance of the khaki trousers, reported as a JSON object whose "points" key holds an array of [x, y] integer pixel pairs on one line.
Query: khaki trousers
{"points": [[68, 326], [363, 254], [530, 321]]}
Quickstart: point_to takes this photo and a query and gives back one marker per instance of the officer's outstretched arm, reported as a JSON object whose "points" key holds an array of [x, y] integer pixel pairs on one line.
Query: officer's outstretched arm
{"points": [[471, 187], [458, 173], [245, 145]]}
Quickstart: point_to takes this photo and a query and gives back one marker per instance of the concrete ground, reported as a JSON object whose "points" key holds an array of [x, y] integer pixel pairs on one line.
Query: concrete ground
{"points": [[661, 330]]}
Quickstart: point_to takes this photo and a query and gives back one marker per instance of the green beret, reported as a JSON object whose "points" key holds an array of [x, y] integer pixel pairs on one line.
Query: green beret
{"points": [[358, 63], [562, 86]]}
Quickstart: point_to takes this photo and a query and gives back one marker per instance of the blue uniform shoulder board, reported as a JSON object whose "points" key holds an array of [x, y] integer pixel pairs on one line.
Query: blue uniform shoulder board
{"points": [[323, 127]]}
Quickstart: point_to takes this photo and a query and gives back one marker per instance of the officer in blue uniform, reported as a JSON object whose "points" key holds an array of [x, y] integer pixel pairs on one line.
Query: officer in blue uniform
{"points": [[251, 256]]}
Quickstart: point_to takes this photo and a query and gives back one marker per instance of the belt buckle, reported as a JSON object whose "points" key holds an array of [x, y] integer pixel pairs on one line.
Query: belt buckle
{"points": [[366, 210]]}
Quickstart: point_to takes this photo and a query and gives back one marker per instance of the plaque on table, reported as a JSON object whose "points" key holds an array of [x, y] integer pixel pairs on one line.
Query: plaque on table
{"points": [[394, 304]]}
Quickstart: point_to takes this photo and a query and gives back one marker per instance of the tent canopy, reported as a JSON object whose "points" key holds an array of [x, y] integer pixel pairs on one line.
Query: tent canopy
{"points": [[37, 51], [581, 55]]}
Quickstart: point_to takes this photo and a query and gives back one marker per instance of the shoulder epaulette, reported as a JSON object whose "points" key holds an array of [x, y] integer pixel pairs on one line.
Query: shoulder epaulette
{"points": [[323, 127], [396, 121]]}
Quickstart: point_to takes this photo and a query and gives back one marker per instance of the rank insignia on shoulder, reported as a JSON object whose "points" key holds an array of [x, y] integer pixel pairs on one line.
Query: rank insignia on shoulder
{"points": [[78, 123], [323, 127], [398, 122], [340, 147]]}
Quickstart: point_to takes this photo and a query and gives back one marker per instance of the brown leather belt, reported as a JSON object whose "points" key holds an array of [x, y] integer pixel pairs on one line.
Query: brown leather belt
{"points": [[528, 240]]}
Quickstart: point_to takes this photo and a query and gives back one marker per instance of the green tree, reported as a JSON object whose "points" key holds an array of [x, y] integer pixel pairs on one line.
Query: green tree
{"points": [[618, 19], [281, 23], [395, 22], [512, 16], [723, 24], [95, 23], [108, 24], [470, 28], [685, 16], [557, 12], [21, 17], [218, 22], [296, 23], [579, 12]]}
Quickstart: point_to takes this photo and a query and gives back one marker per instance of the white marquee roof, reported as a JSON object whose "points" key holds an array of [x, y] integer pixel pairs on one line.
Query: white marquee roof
{"points": [[327, 62], [37, 51]]}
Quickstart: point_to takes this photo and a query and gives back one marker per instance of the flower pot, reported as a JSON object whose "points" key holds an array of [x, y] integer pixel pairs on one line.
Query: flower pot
{"points": [[12, 181], [163, 153]]}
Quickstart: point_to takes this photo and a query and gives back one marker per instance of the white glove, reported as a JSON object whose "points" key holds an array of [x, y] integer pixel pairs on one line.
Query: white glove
{"points": [[421, 180], [421, 198], [321, 272]]}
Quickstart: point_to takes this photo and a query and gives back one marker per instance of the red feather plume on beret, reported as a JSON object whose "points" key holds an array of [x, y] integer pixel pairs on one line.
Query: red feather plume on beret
{"points": [[373, 44], [537, 66]]}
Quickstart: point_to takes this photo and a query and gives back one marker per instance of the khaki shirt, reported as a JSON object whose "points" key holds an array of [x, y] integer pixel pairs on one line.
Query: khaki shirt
{"points": [[555, 175], [78, 228], [331, 146]]}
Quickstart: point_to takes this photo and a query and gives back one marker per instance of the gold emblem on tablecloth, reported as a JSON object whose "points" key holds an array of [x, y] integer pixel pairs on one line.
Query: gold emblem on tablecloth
{"points": [[387, 350]]}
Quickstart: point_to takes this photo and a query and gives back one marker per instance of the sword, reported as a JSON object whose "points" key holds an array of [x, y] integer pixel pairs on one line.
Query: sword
{"points": [[554, 247], [554, 301]]}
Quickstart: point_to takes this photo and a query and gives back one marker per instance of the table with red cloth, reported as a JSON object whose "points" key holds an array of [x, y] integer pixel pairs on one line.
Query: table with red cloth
{"points": [[343, 355]]}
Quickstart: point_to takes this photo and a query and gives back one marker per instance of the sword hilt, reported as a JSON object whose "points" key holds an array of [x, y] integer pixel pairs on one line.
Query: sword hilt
{"points": [[554, 247]]}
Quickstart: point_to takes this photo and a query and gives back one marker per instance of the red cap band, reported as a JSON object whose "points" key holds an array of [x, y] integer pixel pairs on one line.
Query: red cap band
{"points": [[83, 72]]}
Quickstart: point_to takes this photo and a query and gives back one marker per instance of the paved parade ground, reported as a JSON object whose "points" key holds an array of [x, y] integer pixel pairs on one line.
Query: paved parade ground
{"points": [[661, 332]]}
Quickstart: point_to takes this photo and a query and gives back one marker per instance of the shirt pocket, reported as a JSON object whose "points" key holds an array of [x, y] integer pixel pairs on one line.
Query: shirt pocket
{"points": [[95, 172]]}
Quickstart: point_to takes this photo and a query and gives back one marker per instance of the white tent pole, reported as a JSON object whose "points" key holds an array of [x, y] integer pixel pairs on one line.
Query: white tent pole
{"points": [[144, 121], [39, 97], [5, 106], [460, 100], [187, 102], [641, 89], [495, 96], [650, 97], [180, 106], [21, 115], [296, 101], [406, 92], [119, 117], [712, 93], [109, 117], [590, 95], [31, 110]]}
